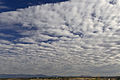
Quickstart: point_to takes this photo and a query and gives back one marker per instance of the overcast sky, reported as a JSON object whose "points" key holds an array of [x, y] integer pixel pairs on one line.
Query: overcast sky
{"points": [[77, 37]]}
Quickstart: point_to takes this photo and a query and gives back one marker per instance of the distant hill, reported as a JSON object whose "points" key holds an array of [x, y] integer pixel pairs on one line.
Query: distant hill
{"points": [[45, 76], [21, 76], [33, 76]]}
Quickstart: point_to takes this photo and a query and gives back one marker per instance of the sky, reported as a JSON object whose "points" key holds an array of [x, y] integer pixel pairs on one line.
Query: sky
{"points": [[71, 38]]}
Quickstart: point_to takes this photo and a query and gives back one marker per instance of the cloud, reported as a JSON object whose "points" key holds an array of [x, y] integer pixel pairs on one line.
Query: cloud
{"points": [[62, 39], [2, 6]]}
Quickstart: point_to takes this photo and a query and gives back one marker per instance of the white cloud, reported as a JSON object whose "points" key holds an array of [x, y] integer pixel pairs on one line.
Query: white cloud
{"points": [[63, 39], [3, 7]]}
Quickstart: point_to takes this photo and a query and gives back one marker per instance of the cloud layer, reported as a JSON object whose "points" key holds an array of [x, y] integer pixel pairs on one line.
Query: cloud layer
{"points": [[78, 37]]}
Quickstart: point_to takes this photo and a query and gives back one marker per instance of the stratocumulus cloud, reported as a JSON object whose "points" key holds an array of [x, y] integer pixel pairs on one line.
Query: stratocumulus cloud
{"points": [[70, 38]]}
